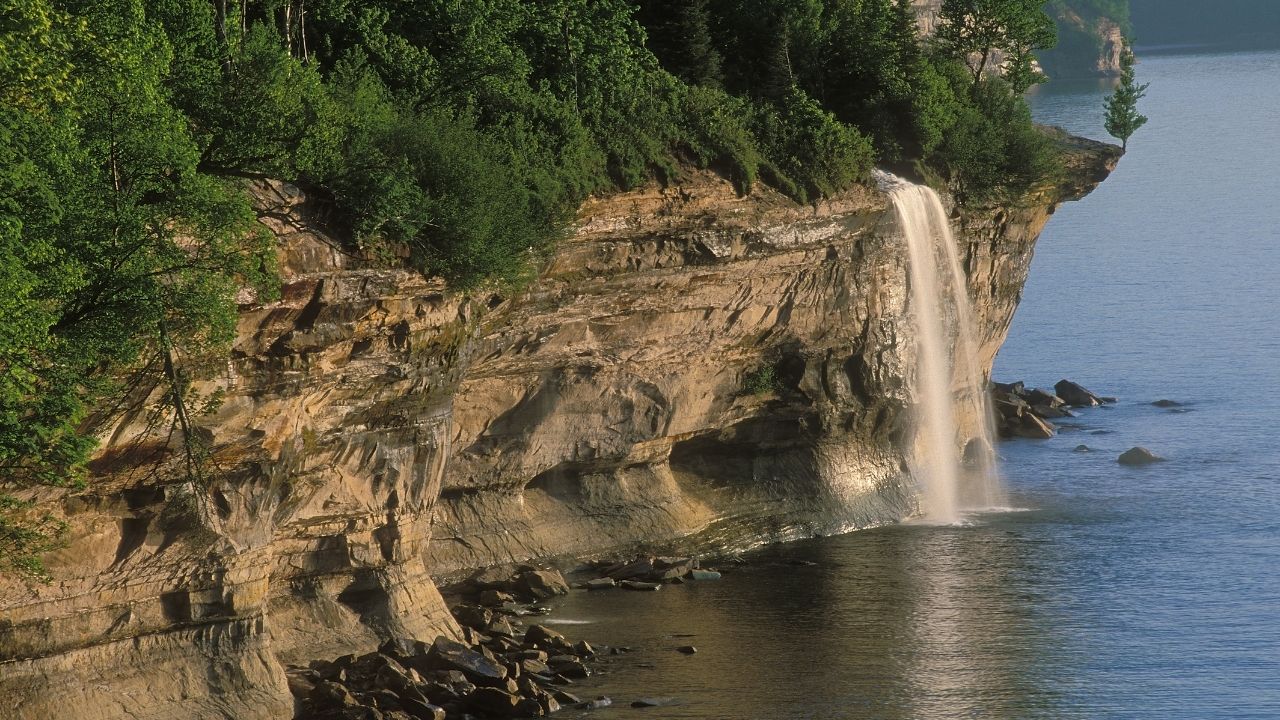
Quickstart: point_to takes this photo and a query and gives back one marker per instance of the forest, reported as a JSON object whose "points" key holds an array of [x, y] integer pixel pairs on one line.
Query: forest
{"points": [[461, 134]]}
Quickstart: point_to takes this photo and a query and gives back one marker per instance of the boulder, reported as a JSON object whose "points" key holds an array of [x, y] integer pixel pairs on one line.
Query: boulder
{"points": [[1138, 456], [445, 654], [1050, 412], [328, 694], [1030, 426], [493, 701], [634, 569], [1044, 397], [421, 710], [1082, 449], [1076, 395], [473, 617], [601, 584], [543, 637], [542, 584], [498, 577], [704, 575], [1013, 388], [600, 702], [687, 649], [495, 598]]}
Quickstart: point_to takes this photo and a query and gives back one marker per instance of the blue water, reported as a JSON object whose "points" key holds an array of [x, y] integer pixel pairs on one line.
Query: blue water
{"points": [[1117, 593]]}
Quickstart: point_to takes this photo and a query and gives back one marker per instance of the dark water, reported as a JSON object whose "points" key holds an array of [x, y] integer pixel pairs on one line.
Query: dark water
{"points": [[1118, 593]]}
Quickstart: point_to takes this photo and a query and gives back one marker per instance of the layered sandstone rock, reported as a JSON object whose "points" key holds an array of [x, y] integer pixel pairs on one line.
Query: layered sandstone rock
{"points": [[374, 430]]}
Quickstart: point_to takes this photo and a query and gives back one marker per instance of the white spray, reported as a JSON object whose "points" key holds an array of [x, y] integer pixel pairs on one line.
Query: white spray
{"points": [[950, 384]]}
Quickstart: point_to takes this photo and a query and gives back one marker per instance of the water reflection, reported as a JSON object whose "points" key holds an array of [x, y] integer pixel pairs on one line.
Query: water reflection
{"points": [[896, 623]]}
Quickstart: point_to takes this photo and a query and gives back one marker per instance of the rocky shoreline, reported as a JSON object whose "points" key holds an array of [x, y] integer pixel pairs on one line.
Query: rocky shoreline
{"points": [[506, 666]]}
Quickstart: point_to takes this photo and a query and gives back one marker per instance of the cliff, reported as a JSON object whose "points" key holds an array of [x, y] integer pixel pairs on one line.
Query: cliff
{"points": [[376, 430]]}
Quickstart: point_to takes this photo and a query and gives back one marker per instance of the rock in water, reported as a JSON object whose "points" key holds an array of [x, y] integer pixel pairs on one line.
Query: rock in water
{"points": [[1082, 449], [1138, 456], [687, 649], [1030, 426], [1167, 403], [1075, 394], [638, 585], [542, 584], [645, 702]]}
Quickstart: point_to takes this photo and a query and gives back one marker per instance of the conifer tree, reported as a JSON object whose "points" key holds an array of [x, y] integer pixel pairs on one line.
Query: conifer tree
{"points": [[1123, 118], [680, 36]]}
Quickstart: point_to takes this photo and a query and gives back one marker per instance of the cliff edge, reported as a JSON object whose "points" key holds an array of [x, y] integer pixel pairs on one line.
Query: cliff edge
{"points": [[689, 364]]}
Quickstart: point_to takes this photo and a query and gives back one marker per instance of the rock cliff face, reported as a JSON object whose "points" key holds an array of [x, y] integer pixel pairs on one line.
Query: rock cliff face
{"points": [[691, 366]]}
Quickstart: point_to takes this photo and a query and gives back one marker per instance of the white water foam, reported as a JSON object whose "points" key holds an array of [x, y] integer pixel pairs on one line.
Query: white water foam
{"points": [[951, 410]]}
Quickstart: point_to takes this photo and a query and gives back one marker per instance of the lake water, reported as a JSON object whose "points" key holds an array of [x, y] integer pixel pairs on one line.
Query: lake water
{"points": [[1117, 593]]}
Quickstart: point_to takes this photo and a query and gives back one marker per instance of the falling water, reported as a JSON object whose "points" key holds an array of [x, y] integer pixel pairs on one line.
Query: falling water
{"points": [[951, 404]]}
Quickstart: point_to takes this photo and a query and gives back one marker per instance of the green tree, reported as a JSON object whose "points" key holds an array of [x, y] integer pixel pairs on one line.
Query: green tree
{"points": [[1123, 118], [679, 34], [974, 31]]}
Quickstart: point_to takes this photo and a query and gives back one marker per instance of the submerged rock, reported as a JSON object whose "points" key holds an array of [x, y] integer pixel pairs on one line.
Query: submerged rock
{"points": [[704, 575], [687, 649], [645, 702], [1138, 456], [1083, 449], [1167, 404], [639, 585]]}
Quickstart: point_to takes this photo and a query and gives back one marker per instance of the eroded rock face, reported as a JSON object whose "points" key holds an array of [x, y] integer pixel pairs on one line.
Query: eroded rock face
{"points": [[375, 430]]}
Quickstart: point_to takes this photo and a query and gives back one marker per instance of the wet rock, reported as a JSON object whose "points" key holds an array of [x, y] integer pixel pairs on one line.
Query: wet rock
{"points": [[474, 617], [536, 667], [1082, 449], [634, 569], [539, 655], [542, 584], [494, 702], [445, 654], [568, 666], [328, 694], [564, 697], [501, 628], [1045, 398], [1030, 426], [421, 710], [645, 702], [582, 648], [704, 575], [1013, 388], [1167, 404], [596, 704], [543, 637], [1076, 395], [687, 649], [495, 598], [399, 647], [1138, 456], [601, 584], [548, 703], [493, 578], [1050, 412], [639, 585]]}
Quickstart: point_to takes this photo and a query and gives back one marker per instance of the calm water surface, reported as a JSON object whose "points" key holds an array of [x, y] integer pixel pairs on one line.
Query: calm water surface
{"points": [[1118, 593]]}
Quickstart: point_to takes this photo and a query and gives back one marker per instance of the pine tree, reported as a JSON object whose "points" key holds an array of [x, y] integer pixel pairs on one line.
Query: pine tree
{"points": [[680, 36], [1123, 118]]}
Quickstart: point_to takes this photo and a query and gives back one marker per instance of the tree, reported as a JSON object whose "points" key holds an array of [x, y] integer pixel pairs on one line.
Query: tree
{"points": [[974, 31], [1123, 118], [679, 34]]}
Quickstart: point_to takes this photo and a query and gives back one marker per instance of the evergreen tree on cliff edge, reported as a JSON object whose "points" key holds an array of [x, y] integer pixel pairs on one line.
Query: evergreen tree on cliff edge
{"points": [[1123, 118]]}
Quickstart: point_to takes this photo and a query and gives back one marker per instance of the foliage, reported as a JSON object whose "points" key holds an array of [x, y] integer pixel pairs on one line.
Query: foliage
{"points": [[762, 381], [974, 30], [1122, 116]]}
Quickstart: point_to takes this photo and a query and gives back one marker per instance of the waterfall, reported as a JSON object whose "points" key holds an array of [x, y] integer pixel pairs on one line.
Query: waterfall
{"points": [[951, 407]]}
